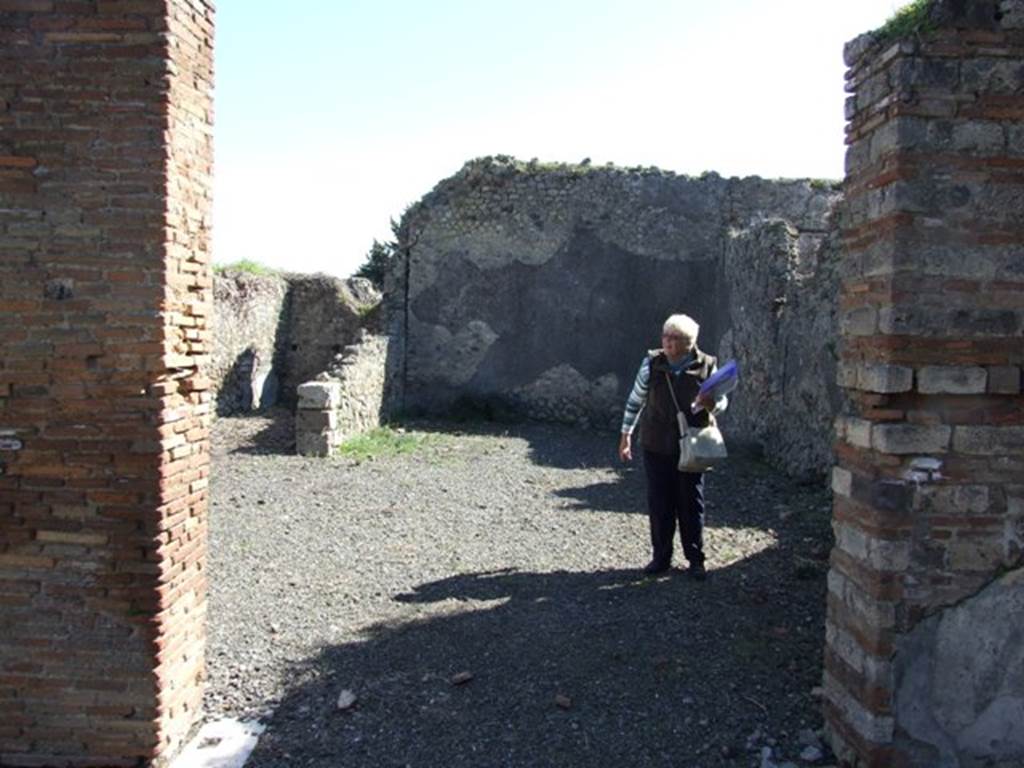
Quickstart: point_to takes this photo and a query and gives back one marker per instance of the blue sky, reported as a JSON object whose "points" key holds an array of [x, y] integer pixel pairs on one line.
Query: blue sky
{"points": [[333, 116]]}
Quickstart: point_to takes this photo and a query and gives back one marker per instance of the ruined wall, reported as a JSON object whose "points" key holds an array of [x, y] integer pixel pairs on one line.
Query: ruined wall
{"points": [[272, 332], [105, 152], [250, 335], [345, 400], [782, 295], [923, 659], [535, 290], [325, 315]]}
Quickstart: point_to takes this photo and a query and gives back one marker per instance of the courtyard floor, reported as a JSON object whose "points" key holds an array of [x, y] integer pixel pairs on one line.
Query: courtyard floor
{"points": [[477, 601]]}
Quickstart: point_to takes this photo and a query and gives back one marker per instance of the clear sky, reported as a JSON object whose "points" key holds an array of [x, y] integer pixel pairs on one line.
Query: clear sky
{"points": [[333, 116]]}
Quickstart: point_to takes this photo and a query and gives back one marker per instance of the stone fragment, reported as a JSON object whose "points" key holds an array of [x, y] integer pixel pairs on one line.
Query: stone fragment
{"points": [[562, 701], [461, 678], [346, 700], [811, 754]]}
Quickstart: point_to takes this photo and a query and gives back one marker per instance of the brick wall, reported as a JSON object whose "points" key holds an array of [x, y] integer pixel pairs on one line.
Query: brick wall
{"points": [[104, 297], [929, 487]]}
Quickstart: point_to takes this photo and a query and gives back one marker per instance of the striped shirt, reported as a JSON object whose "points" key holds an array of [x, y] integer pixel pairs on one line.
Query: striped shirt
{"points": [[638, 396]]}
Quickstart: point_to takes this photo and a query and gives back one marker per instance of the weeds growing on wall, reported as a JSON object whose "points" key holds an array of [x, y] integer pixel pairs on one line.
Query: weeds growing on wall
{"points": [[383, 441], [245, 265], [911, 19]]}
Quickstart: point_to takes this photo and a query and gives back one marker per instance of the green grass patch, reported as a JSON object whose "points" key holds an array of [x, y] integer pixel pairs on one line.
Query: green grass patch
{"points": [[380, 442], [245, 265], [912, 19]]}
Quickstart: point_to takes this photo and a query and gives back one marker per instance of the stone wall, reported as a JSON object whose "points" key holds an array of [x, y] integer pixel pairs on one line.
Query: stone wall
{"points": [[325, 315], [535, 291], [923, 659], [250, 336], [105, 154], [272, 332], [346, 400], [782, 296]]}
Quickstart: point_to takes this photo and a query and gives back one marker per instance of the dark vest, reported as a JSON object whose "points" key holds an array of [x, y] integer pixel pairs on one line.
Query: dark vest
{"points": [[659, 430]]}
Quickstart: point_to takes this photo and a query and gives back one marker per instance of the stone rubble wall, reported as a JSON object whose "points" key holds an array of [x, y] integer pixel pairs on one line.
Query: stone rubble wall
{"points": [[250, 334], [923, 654], [346, 400], [275, 331], [532, 290], [782, 295]]}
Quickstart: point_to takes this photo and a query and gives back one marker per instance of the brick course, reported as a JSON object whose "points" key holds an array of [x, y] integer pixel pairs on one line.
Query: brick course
{"points": [[105, 161]]}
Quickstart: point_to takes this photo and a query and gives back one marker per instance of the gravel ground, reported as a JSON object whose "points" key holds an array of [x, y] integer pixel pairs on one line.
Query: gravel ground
{"points": [[507, 555]]}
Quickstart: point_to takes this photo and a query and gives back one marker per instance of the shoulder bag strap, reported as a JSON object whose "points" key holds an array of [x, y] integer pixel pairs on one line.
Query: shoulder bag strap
{"points": [[711, 417], [680, 418]]}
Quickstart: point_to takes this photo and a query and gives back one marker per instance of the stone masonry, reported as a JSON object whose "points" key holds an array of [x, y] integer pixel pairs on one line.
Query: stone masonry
{"points": [[105, 162], [274, 331], [533, 290], [346, 400], [249, 340], [923, 658]]}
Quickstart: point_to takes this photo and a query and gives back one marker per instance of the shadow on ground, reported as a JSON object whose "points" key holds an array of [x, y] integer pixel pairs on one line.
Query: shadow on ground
{"points": [[598, 668]]}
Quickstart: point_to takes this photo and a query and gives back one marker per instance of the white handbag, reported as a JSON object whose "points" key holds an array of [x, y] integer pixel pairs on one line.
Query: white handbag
{"points": [[700, 448]]}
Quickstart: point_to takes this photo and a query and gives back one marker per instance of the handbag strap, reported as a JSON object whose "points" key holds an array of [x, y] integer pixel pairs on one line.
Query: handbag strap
{"points": [[671, 391]]}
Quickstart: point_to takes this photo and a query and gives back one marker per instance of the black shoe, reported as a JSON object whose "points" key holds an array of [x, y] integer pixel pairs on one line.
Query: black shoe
{"points": [[653, 568], [697, 572]]}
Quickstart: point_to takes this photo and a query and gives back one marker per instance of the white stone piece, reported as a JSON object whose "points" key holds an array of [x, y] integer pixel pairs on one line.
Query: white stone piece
{"points": [[222, 744], [319, 395]]}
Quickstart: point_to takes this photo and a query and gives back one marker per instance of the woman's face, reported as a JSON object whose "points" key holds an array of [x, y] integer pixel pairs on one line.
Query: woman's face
{"points": [[675, 345]]}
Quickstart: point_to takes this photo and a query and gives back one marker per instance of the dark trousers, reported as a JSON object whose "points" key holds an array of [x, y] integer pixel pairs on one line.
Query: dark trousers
{"points": [[674, 496]]}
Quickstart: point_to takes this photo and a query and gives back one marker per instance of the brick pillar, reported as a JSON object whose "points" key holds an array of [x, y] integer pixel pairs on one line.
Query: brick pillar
{"points": [[923, 664], [105, 153]]}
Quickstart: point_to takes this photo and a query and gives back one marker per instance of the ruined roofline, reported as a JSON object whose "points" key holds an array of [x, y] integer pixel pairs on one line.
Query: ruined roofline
{"points": [[507, 165], [504, 168]]}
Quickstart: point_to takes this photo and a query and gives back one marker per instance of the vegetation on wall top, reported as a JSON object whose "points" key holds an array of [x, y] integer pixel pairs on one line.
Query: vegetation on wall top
{"points": [[912, 19], [244, 265]]}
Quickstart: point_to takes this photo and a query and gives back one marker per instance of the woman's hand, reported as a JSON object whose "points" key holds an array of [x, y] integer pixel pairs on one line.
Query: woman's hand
{"points": [[625, 451]]}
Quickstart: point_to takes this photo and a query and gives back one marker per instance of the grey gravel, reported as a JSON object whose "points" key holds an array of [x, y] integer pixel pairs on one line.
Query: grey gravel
{"points": [[511, 554]]}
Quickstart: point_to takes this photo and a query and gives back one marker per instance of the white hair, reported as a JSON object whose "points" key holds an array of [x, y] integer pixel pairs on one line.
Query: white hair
{"points": [[685, 326]]}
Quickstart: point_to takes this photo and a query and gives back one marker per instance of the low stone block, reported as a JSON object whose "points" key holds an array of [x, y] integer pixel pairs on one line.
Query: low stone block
{"points": [[951, 380], [885, 378], [315, 421], [910, 438], [1004, 380], [319, 395], [313, 443]]}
